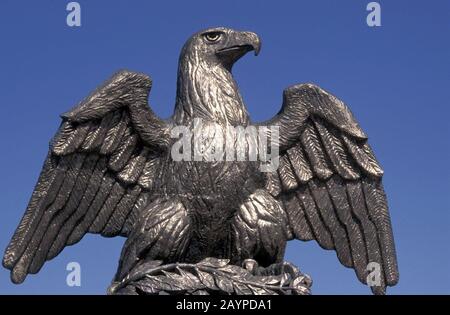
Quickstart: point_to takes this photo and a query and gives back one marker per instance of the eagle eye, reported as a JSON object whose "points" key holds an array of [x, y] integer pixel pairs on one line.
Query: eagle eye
{"points": [[212, 36]]}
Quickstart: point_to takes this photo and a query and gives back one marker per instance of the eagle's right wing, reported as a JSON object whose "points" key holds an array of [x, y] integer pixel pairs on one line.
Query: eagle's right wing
{"points": [[99, 172]]}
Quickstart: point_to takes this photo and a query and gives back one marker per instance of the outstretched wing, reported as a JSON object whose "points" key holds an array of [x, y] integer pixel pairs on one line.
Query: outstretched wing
{"points": [[101, 167], [329, 183]]}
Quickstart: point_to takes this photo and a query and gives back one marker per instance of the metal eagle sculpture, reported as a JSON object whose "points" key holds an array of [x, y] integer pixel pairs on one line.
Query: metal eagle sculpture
{"points": [[110, 171]]}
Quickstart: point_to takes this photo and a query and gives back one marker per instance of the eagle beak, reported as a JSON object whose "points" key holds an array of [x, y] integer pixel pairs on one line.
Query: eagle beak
{"points": [[238, 45], [252, 40]]}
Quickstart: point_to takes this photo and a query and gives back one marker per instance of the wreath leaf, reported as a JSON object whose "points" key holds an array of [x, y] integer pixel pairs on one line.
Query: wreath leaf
{"points": [[212, 275]]}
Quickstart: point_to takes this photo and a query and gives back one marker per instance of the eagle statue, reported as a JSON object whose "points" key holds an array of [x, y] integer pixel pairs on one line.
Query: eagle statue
{"points": [[111, 170]]}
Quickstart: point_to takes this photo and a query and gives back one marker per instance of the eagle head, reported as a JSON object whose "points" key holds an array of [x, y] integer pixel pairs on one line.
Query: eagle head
{"points": [[221, 46], [205, 87]]}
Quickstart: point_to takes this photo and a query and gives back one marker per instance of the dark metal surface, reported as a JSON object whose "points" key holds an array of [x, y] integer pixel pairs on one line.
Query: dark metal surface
{"points": [[110, 171], [211, 276]]}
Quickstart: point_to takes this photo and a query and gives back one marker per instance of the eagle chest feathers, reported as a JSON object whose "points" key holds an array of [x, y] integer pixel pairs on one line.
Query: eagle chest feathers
{"points": [[208, 166]]}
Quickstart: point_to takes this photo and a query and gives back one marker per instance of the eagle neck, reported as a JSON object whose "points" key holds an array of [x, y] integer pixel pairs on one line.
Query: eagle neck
{"points": [[208, 91]]}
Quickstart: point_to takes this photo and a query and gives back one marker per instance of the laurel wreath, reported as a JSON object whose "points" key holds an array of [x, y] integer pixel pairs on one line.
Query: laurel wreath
{"points": [[209, 276]]}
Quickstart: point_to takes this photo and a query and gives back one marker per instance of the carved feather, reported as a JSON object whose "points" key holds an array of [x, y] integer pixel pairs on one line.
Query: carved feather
{"points": [[378, 212], [69, 138], [134, 167], [338, 194], [116, 194], [315, 152], [79, 188], [123, 153], [336, 151], [96, 135], [273, 184], [329, 217], [359, 208], [83, 226], [300, 164], [115, 134], [151, 167], [297, 218], [286, 174], [139, 205], [364, 157], [321, 232], [121, 212], [92, 188]]}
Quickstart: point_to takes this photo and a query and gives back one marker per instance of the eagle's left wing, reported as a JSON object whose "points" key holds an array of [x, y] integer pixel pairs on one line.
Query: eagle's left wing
{"points": [[329, 183]]}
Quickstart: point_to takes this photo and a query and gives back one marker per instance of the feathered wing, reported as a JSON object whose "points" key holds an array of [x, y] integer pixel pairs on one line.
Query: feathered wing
{"points": [[101, 168], [329, 183]]}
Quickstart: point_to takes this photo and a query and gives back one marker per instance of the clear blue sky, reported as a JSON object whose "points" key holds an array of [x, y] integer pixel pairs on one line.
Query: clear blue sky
{"points": [[395, 78]]}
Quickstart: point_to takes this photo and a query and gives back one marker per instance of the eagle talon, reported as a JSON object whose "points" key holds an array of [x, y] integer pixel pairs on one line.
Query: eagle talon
{"points": [[276, 269], [251, 265]]}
